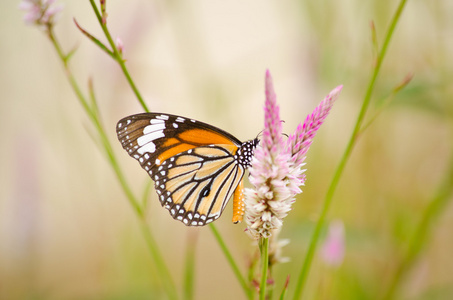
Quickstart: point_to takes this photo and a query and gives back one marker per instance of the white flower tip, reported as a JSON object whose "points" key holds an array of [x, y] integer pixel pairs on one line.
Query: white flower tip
{"points": [[336, 91]]}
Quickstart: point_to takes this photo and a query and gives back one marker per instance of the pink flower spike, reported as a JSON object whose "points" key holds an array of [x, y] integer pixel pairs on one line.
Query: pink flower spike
{"points": [[270, 201], [333, 249], [276, 168], [299, 142], [272, 124]]}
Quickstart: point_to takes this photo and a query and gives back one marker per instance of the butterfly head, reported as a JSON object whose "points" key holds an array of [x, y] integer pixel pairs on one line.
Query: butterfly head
{"points": [[245, 153]]}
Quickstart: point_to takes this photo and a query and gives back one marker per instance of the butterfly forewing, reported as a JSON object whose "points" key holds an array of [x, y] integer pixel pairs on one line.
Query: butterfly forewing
{"points": [[192, 163]]}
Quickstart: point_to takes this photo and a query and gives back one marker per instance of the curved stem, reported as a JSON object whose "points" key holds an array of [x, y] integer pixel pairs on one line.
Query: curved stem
{"points": [[347, 153], [94, 117]]}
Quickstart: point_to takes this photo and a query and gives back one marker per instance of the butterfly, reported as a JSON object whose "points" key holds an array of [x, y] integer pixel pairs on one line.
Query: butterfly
{"points": [[196, 167]]}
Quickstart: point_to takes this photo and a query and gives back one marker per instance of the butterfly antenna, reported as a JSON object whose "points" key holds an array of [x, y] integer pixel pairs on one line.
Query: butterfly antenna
{"points": [[261, 132]]}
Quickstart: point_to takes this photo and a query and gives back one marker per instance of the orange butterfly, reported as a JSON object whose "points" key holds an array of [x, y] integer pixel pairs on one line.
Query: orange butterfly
{"points": [[196, 167]]}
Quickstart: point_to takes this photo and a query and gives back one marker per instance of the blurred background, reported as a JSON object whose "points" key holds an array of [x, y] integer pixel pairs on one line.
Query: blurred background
{"points": [[66, 228]]}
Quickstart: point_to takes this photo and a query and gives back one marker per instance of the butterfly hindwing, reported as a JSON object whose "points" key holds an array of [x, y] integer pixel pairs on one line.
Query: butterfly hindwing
{"points": [[192, 163], [195, 185]]}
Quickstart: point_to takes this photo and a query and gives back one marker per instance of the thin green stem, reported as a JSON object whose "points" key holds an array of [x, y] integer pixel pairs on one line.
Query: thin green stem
{"points": [[91, 112], [347, 153], [118, 56], [231, 261], [421, 234], [95, 40], [264, 266], [94, 117]]}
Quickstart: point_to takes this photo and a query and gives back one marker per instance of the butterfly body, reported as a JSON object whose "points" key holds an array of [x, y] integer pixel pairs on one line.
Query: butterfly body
{"points": [[195, 166]]}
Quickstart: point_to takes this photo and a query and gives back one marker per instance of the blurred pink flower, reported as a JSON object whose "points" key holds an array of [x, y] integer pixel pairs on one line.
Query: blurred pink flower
{"points": [[276, 166], [40, 12], [119, 45], [332, 251]]}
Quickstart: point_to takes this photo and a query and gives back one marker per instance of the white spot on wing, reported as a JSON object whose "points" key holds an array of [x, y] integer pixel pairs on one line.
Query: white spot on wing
{"points": [[150, 147], [154, 127], [180, 120], [162, 117], [144, 139]]}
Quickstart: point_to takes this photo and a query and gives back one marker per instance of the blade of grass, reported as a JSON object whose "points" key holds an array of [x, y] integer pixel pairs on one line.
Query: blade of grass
{"points": [[421, 234], [285, 289], [347, 153]]}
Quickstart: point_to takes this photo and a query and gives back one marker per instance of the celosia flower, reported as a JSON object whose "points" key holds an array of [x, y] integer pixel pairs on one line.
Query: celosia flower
{"points": [[40, 12], [333, 248], [276, 166]]}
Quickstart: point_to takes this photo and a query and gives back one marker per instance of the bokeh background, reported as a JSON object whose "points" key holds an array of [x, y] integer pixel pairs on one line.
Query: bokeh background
{"points": [[66, 228]]}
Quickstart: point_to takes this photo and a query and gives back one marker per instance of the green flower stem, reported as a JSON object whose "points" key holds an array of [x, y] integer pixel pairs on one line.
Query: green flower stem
{"points": [[352, 141], [118, 56], [421, 234], [231, 261], [264, 242], [94, 116]]}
